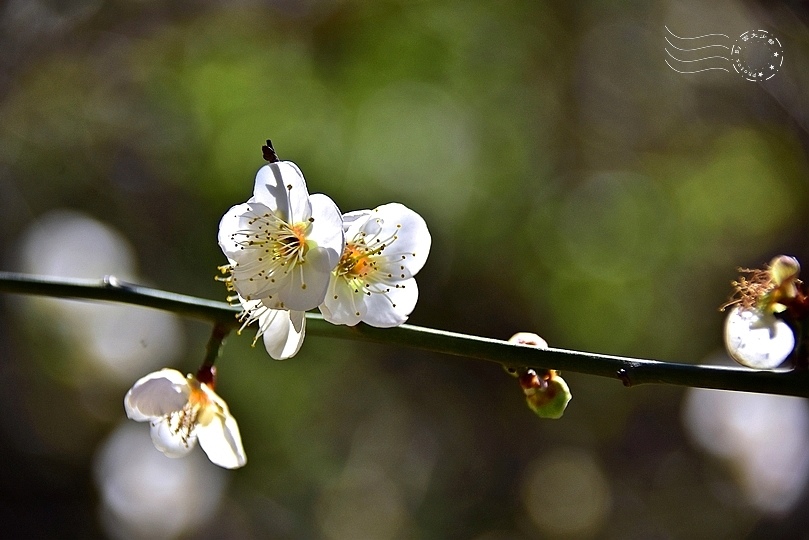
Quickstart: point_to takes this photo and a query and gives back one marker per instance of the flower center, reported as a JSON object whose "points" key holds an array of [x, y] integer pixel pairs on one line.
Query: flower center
{"points": [[182, 422], [357, 261], [281, 242], [291, 242], [362, 259]]}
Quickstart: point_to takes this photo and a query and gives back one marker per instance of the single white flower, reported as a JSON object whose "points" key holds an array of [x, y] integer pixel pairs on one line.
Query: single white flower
{"points": [[282, 330], [282, 243], [373, 282], [181, 410], [757, 339]]}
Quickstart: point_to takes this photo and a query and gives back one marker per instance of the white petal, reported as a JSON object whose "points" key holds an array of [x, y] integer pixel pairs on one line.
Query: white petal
{"points": [[327, 229], [221, 440], [281, 187], [220, 437], [233, 222], [283, 332], [353, 221], [156, 395], [412, 243], [757, 340], [343, 305], [359, 221], [390, 309], [169, 441], [305, 286]]}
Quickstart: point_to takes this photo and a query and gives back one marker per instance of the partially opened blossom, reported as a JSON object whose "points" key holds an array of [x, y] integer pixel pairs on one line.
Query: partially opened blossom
{"points": [[282, 330], [757, 339], [373, 282], [182, 410], [282, 243], [755, 334]]}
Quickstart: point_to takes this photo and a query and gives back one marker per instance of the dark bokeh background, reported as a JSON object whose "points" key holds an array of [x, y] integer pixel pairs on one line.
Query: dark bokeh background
{"points": [[574, 186]]}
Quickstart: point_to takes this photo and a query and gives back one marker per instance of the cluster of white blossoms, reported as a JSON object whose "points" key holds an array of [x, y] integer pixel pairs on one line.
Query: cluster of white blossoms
{"points": [[756, 332], [289, 252]]}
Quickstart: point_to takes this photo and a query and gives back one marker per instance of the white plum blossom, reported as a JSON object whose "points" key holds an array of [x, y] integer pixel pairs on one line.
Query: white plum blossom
{"points": [[282, 243], [282, 330], [757, 339], [373, 281], [182, 410]]}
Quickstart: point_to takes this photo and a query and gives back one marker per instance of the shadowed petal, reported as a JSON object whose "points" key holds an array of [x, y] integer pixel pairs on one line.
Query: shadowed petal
{"points": [[156, 395], [283, 332], [281, 187], [327, 229]]}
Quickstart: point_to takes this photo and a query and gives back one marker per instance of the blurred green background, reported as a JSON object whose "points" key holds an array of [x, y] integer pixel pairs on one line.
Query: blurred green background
{"points": [[574, 186]]}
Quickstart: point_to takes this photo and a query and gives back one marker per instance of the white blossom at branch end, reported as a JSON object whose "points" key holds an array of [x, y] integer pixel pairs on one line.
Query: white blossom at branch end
{"points": [[182, 410]]}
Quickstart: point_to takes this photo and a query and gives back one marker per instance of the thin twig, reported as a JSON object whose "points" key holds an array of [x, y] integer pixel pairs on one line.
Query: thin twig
{"points": [[630, 371]]}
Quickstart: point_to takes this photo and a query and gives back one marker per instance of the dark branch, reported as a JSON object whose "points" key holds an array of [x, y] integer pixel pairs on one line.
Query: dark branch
{"points": [[629, 371]]}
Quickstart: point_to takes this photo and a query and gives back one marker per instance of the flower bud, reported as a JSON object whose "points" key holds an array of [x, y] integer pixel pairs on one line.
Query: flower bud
{"points": [[528, 338], [784, 272], [547, 394], [784, 269]]}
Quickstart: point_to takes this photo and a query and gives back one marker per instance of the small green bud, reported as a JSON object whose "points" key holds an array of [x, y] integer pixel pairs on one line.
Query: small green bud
{"points": [[547, 394]]}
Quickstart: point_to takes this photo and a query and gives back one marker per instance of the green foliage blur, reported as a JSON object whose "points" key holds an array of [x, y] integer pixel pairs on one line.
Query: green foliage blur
{"points": [[574, 186]]}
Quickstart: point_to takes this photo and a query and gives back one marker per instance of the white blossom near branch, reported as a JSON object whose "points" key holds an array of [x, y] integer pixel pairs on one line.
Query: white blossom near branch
{"points": [[282, 243], [373, 282], [182, 410]]}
